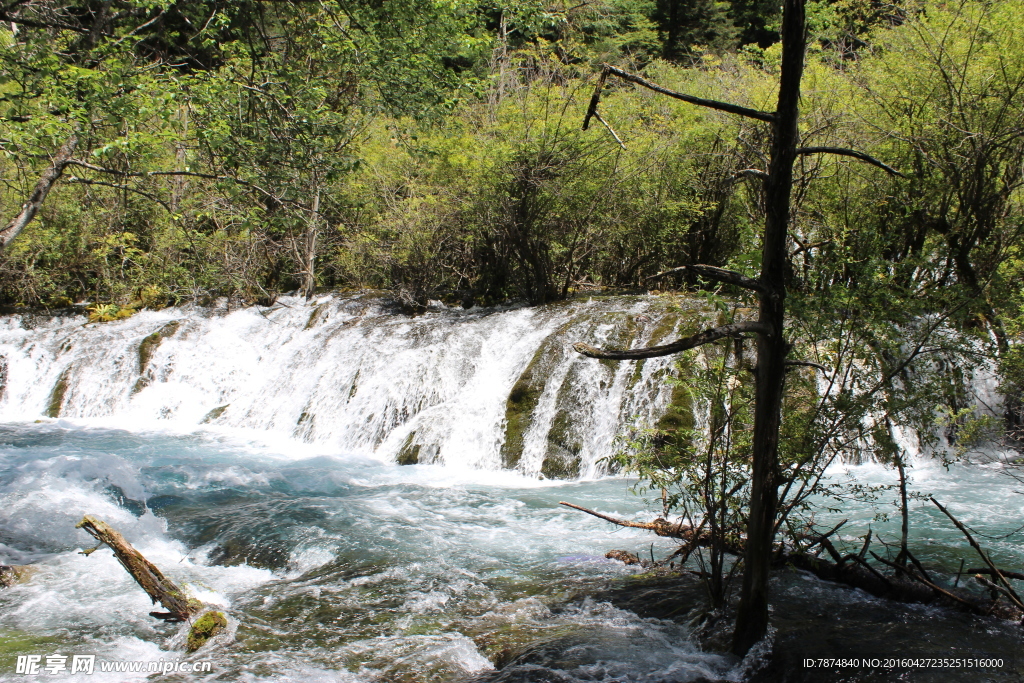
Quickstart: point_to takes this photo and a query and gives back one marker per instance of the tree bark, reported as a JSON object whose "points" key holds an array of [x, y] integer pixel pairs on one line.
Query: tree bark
{"points": [[752, 614], [35, 201], [160, 589]]}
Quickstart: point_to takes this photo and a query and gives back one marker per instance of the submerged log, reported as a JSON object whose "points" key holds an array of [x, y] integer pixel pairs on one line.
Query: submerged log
{"points": [[179, 604]]}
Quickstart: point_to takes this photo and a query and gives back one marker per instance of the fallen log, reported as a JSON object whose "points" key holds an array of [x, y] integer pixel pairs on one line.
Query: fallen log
{"points": [[905, 585], [179, 604]]}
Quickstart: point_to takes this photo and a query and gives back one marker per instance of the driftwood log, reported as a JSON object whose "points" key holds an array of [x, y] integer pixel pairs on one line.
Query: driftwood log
{"points": [[179, 604]]}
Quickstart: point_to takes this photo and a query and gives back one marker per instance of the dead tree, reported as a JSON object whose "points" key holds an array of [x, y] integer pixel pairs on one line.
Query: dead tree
{"points": [[770, 288]]}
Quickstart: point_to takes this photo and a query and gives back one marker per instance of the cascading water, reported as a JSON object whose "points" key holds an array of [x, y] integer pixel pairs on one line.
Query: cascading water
{"points": [[253, 455], [480, 389]]}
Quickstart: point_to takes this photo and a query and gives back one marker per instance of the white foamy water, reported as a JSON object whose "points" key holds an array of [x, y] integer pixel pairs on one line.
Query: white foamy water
{"points": [[345, 373]]}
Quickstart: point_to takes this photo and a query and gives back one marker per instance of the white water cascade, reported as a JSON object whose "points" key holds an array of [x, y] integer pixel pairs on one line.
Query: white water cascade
{"points": [[348, 373]]}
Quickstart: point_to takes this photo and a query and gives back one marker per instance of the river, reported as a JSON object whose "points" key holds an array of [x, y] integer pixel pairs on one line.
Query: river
{"points": [[252, 455]]}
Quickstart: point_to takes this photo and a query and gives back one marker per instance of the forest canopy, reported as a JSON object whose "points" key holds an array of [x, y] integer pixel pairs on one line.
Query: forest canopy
{"points": [[434, 149]]}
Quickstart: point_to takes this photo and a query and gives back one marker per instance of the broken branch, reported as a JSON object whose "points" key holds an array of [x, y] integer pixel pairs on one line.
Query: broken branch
{"points": [[705, 337], [808, 364], [842, 151], [989, 572], [610, 130], [750, 173], [659, 526], [729, 277], [700, 101], [595, 98], [941, 591]]}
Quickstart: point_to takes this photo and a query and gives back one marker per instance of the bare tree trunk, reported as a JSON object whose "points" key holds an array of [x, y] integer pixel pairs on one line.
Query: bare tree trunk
{"points": [[309, 255], [752, 615], [35, 201]]}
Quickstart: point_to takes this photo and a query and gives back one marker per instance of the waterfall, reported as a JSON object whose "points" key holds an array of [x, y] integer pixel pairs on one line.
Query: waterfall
{"points": [[480, 388]]}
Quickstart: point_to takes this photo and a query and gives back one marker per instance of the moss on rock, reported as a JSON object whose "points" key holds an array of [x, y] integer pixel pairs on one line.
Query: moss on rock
{"points": [[214, 414], [55, 402], [409, 454], [150, 344], [204, 628], [519, 407], [562, 457]]}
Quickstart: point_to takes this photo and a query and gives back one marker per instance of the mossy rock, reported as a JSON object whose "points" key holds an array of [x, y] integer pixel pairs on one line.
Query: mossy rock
{"points": [[12, 574], [507, 642], [260, 554], [519, 407], [214, 414], [318, 315], [3, 375], [409, 454], [678, 417], [562, 458], [55, 402], [150, 344], [204, 628]]}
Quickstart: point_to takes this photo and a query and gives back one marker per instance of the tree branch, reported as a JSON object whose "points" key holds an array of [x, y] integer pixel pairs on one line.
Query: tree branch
{"points": [[696, 340], [989, 572], [750, 173], [729, 277], [191, 174], [658, 526], [974, 544], [842, 151], [700, 101], [595, 98], [921, 579], [127, 188], [35, 201], [610, 130], [808, 364]]}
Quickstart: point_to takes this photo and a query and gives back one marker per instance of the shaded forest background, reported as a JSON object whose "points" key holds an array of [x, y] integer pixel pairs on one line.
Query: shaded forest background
{"points": [[434, 148]]}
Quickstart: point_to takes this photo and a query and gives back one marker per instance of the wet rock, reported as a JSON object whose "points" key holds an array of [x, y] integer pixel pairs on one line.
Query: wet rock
{"points": [[519, 409], [3, 375], [259, 554], [150, 344], [160, 502], [55, 402], [204, 628], [410, 452], [136, 507], [623, 556], [12, 574], [214, 414]]}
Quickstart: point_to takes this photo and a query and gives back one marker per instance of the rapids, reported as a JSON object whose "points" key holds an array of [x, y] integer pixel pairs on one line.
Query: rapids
{"points": [[252, 455]]}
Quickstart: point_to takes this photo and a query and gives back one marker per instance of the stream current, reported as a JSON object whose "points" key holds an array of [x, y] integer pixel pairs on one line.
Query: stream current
{"points": [[336, 564]]}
